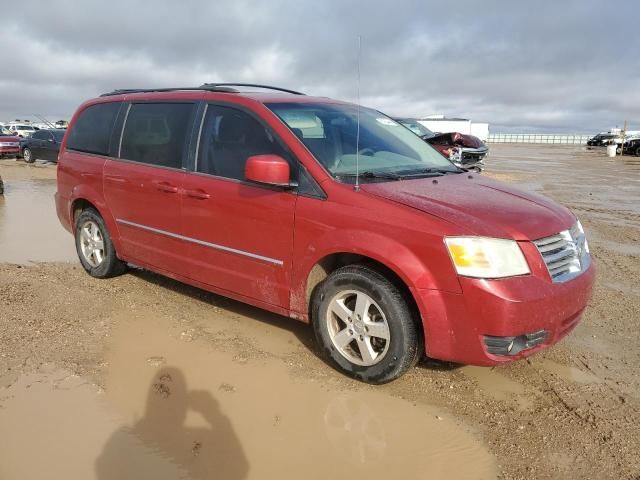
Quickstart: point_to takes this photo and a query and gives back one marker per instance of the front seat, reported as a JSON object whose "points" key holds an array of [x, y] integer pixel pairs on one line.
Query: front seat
{"points": [[230, 152]]}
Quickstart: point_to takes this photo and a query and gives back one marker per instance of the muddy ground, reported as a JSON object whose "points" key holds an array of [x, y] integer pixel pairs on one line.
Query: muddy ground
{"points": [[143, 377]]}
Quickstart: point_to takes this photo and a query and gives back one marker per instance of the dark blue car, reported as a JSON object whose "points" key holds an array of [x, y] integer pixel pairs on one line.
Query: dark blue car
{"points": [[42, 145]]}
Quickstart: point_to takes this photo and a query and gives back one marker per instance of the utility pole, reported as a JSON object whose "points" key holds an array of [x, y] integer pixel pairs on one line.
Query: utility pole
{"points": [[624, 133]]}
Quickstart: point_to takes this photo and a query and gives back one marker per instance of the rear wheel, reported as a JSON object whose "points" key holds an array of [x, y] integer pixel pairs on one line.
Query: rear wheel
{"points": [[94, 246], [27, 155], [365, 326]]}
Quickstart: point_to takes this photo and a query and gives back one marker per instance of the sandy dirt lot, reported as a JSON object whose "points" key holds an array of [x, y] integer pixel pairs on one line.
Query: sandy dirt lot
{"points": [[143, 377]]}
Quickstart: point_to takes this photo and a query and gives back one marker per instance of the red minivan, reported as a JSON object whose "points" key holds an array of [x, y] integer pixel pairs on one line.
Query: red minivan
{"points": [[327, 212]]}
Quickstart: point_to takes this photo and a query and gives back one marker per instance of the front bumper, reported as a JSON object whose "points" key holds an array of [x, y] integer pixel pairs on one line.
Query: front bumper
{"points": [[9, 150], [474, 154], [470, 158], [458, 325]]}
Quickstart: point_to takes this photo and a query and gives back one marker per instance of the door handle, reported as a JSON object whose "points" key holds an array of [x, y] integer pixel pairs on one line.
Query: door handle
{"points": [[166, 187], [197, 193]]}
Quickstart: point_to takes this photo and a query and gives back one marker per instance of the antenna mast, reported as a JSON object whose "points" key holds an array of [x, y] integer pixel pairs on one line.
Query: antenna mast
{"points": [[357, 184], [46, 122]]}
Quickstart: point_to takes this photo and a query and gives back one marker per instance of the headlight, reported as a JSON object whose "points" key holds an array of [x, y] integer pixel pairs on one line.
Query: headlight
{"points": [[482, 257]]}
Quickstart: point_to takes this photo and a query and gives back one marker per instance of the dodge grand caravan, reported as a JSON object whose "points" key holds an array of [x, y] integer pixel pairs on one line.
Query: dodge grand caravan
{"points": [[326, 212]]}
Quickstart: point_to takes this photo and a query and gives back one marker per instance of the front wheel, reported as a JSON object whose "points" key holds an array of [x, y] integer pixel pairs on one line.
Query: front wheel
{"points": [[94, 246], [365, 326], [27, 155]]}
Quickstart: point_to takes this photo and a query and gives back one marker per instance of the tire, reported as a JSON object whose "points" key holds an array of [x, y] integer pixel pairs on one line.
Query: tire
{"points": [[27, 155], [638, 151], [91, 234], [377, 350]]}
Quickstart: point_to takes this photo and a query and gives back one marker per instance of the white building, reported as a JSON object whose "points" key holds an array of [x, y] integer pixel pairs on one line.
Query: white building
{"points": [[442, 124]]}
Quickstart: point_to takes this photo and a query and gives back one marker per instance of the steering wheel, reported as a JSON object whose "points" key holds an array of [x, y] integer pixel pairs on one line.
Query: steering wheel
{"points": [[367, 151]]}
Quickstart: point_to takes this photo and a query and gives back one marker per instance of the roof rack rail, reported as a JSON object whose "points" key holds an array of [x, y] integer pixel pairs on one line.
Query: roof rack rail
{"points": [[257, 85], [208, 87], [124, 91]]}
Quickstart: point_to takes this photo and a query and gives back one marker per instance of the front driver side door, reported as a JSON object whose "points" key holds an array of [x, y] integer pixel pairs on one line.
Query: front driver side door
{"points": [[240, 234], [49, 147], [34, 143]]}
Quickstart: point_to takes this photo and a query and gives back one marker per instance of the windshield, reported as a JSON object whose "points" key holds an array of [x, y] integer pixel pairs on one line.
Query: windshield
{"points": [[417, 128], [385, 147]]}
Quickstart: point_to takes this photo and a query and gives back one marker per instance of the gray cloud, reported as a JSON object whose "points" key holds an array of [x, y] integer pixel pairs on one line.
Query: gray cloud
{"points": [[565, 66]]}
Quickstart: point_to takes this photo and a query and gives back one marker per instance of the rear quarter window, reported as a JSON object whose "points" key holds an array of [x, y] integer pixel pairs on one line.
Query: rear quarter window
{"points": [[92, 131]]}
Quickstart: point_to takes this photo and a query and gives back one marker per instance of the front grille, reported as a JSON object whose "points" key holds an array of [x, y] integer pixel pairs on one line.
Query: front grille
{"points": [[566, 254], [472, 157]]}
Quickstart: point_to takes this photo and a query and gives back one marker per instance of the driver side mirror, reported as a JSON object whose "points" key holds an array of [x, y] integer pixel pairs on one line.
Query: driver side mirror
{"points": [[268, 170]]}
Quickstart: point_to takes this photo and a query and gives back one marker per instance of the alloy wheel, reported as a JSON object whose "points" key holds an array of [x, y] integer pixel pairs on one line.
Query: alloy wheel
{"points": [[358, 327], [92, 243]]}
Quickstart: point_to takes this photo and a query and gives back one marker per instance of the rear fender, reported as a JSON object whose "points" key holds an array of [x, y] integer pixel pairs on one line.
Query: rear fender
{"points": [[87, 193]]}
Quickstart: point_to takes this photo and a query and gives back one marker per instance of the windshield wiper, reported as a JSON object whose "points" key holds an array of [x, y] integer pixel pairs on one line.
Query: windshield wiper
{"points": [[367, 174], [429, 172]]}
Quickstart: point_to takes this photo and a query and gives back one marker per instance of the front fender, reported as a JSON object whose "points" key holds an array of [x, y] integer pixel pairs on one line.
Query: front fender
{"points": [[404, 262]]}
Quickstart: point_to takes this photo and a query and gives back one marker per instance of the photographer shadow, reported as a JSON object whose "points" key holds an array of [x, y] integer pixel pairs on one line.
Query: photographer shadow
{"points": [[160, 445]]}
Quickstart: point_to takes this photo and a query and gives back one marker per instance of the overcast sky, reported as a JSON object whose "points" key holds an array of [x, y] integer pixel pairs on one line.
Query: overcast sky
{"points": [[521, 66]]}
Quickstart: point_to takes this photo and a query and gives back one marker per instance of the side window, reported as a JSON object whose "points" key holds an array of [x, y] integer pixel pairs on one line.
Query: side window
{"points": [[155, 133], [230, 136], [92, 131], [39, 135]]}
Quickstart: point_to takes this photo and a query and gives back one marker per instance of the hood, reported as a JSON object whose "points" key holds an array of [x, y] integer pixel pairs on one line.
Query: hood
{"points": [[479, 205], [9, 138], [456, 138]]}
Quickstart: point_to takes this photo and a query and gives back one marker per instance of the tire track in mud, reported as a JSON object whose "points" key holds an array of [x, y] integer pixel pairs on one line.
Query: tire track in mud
{"points": [[605, 418]]}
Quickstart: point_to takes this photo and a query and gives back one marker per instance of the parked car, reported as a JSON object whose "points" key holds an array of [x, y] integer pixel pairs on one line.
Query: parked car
{"points": [[603, 139], [22, 130], [325, 212], [9, 143], [466, 151], [632, 146], [43, 145]]}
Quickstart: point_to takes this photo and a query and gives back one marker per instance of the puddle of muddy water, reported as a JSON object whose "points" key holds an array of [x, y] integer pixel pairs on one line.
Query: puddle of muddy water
{"points": [[29, 227], [498, 386], [179, 409], [55, 425], [567, 372]]}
